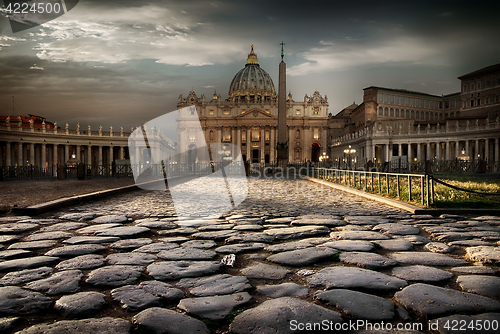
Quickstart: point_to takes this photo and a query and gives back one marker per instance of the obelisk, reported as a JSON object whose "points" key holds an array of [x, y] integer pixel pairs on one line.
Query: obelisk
{"points": [[282, 144]]}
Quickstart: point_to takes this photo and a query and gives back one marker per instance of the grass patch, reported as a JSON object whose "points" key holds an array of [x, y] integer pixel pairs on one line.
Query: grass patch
{"points": [[377, 246], [336, 257]]}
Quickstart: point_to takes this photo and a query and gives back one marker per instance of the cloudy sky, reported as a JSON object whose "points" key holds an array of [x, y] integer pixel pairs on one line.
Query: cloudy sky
{"points": [[122, 62]]}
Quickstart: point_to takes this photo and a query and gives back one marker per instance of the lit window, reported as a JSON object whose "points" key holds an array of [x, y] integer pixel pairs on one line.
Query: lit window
{"points": [[255, 134], [227, 135], [211, 112], [478, 85], [316, 133], [243, 135], [267, 111], [267, 135], [297, 111], [226, 112]]}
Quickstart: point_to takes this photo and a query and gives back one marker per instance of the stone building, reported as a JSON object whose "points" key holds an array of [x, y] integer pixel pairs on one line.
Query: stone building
{"points": [[248, 118]]}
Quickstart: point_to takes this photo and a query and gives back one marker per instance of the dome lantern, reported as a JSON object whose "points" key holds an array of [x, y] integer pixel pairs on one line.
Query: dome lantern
{"points": [[252, 57]]}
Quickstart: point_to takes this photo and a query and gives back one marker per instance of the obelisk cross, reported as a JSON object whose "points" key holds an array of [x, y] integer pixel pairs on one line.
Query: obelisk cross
{"points": [[282, 49]]}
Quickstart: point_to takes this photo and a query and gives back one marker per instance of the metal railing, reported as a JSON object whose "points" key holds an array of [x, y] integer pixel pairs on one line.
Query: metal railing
{"points": [[409, 187]]}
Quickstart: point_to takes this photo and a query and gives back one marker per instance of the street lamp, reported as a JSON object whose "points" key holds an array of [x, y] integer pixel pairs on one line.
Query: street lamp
{"points": [[349, 151], [323, 157]]}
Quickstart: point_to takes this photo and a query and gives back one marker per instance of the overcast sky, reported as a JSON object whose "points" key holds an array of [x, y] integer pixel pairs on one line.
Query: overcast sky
{"points": [[123, 62]]}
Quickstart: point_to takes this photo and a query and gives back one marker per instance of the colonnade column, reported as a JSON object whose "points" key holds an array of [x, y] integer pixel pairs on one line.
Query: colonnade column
{"points": [[89, 155], [272, 146], [410, 153], [32, 154], [122, 153], [476, 148], [368, 151], [428, 151], [7, 154], [110, 155], [457, 148], [290, 145], [447, 151], [20, 154], [486, 148], [419, 152], [497, 154], [400, 149], [467, 148], [44, 156], [249, 130], [262, 139], [99, 156], [387, 150], [66, 153], [438, 151]]}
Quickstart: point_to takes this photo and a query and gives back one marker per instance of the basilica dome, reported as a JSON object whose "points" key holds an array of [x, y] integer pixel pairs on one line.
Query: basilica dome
{"points": [[252, 81]]}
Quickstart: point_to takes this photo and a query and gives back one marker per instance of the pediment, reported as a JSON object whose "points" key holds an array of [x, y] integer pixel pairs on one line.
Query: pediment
{"points": [[255, 113]]}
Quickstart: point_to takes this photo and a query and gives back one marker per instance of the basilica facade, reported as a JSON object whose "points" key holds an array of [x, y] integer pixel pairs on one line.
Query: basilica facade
{"points": [[248, 118]]}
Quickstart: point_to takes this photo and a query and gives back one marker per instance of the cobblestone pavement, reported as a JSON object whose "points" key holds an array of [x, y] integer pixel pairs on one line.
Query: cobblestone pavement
{"points": [[294, 256]]}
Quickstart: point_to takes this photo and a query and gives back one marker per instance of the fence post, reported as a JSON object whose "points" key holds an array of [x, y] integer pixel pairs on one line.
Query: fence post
{"points": [[432, 189], [427, 189], [422, 189], [387, 182], [409, 188], [397, 182], [379, 185]]}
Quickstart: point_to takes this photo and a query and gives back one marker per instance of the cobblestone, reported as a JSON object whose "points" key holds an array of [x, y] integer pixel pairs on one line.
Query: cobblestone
{"points": [[124, 261]]}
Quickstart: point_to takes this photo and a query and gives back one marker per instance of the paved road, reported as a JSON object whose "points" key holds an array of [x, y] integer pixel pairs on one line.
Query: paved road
{"points": [[293, 256]]}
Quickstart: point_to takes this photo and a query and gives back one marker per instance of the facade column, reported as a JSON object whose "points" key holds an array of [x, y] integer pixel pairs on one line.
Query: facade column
{"points": [[99, 156], [447, 151], [89, 156], [400, 149], [476, 149], [290, 144], [368, 151], [486, 148], [54, 156], [43, 152], [249, 142], [410, 153], [428, 151], [110, 155], [457, 149], [272, 146], [66, 153], [262, 140], [25, 155], [7, 154], [438, 151], [122, 153], [219, 135], [20, 155], [467, 150], [387, 149], [419, 151], [497, 154], [238, 138]]}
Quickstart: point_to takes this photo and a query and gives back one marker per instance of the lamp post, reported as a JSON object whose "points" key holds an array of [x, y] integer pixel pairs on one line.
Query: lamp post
{"points": [[323, 157], [349, 151]]}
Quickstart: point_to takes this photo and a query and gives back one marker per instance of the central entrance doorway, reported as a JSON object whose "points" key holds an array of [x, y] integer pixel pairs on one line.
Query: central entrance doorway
{"points": [[255, 156], [315, 152]]}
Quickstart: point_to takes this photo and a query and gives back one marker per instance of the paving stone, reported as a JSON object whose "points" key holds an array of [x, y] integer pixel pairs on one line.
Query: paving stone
{"points": [[214, 307], [249, 227], [8, 238], [216, 227], [470, 243], [96, 228], [80, 216], [428, 300], [178, 269], [395, 245], [14, 300], [116, 275], [80, 304], [438, 247], [487, 254], [24, 276], [474, 320], [303, 257], [396, 228], [84, 326], [238, 248], [451, 236], [49, 236], [198, 222], [482, 218], [130, 258], [289, 246], [420, 273], [185, 253], [32, 262], [90, 240], [33, 244], [82, 262], [358, 235], [174, 239], [62, 282], [283, 290], [13, 219], [416, 239], [330, 222], [75, 250], [162, 321], [122, 231], [349, 278], [422, 216], [178, 231], [297, 232], [144, 295], [280, 220], [156, 224], [351, 228], [63, 227], [109, 219], [155, 247], [275, 316], [215, 235], [366, 260], [477, 270], [481, 284], [8, 323], [262, 270], [204, 244], [366, 220], [350, 245], [14, 253], [130, 243], [358, 305], [426, 259], [221, 284], [15, 228]]}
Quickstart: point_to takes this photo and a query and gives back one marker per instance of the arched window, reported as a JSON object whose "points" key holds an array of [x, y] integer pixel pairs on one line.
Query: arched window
{"points": [[407, 113], [297, 134], [446, 116], [427, 115], [386, 111], [392, 112], [458, 113], [380, 111], [417, 115], [397, 112], [212, 135], [452, 114]]}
